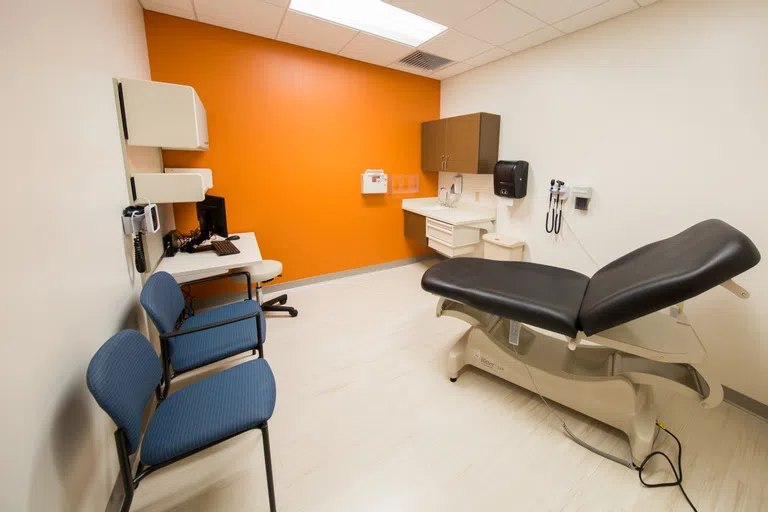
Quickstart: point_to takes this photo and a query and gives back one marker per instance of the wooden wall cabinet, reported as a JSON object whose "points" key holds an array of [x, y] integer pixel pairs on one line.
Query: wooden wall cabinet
{"points": [[466, 144]]}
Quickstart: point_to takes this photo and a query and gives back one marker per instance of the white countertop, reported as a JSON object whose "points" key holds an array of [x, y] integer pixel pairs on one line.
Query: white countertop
{"points": [[462, 214], [187, 267]]}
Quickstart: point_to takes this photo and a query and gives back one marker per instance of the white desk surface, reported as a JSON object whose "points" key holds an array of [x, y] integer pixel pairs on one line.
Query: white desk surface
{"points": [[187, 267]]}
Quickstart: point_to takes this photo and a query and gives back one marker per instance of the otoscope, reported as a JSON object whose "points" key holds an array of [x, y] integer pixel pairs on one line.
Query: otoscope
{"points": [[549, 205], [559, 216]]}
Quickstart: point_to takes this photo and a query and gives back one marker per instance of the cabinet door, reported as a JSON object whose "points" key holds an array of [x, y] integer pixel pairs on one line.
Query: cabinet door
{"points": [[415, 227], [433, 145], [463, 143]]}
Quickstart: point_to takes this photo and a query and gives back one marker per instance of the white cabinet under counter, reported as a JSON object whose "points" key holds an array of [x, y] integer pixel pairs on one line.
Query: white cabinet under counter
{"points": [[454, 231]]}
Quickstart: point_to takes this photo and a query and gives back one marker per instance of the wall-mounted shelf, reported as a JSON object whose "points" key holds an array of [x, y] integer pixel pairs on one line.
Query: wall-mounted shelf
{"points": [[173, 185]]}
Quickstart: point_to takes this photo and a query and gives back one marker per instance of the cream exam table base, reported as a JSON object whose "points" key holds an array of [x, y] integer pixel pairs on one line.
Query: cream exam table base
{"points": [[632, 347], [611, 379]]}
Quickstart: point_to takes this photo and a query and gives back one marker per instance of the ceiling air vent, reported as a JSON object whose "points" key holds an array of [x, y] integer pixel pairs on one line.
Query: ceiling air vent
{"points": [[425, 61]]}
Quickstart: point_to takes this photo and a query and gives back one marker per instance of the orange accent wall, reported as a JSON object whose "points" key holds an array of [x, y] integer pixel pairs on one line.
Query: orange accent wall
{"points": [[291, 130]]}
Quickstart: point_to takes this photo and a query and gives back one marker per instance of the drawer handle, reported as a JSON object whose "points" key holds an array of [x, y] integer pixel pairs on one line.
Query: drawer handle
{"points": [[439, 228], [439, 241], [438, 224]]}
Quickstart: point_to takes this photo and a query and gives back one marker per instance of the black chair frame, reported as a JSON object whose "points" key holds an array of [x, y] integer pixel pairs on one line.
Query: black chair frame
{"points": [[131, 482], [165, 352]]}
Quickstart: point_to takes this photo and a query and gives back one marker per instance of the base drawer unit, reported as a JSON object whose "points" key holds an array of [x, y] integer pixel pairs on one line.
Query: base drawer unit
{"points": [[454, 236], [448, 250]]}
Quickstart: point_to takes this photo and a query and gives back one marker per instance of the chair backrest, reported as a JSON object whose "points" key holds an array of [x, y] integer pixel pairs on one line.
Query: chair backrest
{"points": [[163, 301], [121, 377]]}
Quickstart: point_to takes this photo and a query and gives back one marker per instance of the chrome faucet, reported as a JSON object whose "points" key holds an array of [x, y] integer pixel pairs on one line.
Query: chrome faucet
{"points": [[447, 198]]}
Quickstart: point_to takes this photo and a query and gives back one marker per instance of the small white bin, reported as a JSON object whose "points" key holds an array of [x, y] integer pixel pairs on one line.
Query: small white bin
{"points": [[502, 248]]}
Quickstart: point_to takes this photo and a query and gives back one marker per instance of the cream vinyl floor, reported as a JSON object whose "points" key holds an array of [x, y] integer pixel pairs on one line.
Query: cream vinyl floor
{"points": [[366, 420]]}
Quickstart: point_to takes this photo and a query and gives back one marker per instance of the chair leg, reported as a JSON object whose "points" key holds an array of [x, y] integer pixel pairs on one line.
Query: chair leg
{"points": [[271, 305], [282, 299], [268, 465], [125, 469]]}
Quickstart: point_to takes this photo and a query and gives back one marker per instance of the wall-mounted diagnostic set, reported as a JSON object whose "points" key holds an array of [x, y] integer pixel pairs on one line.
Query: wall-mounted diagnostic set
{"points": [[138, 220]]}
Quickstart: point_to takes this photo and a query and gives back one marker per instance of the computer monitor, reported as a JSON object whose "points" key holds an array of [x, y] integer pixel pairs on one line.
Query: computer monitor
{"points": [[212, 216]]}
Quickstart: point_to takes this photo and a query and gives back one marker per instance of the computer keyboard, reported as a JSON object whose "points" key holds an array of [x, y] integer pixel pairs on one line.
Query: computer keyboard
{"points": [[224, 248]]}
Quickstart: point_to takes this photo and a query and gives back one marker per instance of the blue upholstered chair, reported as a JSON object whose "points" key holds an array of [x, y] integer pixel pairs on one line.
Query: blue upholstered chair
{"points": [[202, 339], [126, 371]]}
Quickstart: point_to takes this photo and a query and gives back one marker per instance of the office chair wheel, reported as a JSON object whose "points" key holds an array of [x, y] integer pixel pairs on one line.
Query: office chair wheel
{"points": [[283, 301], [294, 313], [453, 379]]}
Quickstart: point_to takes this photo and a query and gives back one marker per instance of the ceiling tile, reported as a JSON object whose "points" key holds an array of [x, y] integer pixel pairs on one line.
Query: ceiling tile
{"points": [[314, 33], [602, 12], [551, 11], [533, 39], [452, 70], [489, 56], [409, 69], [455, 46], [373, 49], [252, 16], [445, 12], [499, 24], [180, 8]]}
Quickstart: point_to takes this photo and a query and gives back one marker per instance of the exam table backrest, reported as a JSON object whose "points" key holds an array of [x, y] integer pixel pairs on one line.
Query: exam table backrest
{"points": [[665, 273]]}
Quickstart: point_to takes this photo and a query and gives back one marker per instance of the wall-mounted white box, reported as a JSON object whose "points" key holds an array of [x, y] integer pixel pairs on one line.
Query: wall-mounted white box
{"points": [[173, 186], [162, 115], [373, 181]]}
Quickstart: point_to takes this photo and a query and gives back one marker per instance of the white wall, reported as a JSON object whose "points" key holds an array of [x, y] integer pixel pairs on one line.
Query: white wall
{"points": [[72, 285], [664, 112]]}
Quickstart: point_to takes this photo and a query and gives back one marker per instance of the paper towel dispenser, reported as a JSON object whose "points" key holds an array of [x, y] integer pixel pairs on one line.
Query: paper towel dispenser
{"points": [[510, 178]]}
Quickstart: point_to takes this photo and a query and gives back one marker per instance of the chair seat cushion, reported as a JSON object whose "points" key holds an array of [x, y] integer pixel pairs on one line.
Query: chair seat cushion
{"points": [[540, 295], [204, 347], [213, 409], [264, 270]]}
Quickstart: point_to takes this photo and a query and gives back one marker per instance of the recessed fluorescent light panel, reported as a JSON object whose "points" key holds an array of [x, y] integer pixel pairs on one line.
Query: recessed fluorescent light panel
{"points": [[373, 16]]}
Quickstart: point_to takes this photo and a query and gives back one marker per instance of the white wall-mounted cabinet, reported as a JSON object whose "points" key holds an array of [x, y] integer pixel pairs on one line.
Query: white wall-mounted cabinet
{"points": [[173, 185], [162, 115]]}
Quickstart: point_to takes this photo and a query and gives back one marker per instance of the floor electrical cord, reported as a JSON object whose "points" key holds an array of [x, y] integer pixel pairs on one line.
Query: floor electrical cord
{"points": [[678, 478]]}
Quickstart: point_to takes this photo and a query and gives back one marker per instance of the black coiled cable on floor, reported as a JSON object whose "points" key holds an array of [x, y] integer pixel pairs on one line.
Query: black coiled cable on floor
{"points": [[678, 482]]}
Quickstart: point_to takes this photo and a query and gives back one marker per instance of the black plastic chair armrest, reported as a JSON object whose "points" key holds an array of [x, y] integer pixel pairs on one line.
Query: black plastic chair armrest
{"points": [[182, 332], [223, 276]]}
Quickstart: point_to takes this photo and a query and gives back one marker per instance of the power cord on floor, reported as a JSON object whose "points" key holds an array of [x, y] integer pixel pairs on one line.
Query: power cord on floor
{"points": [[678, 479]]}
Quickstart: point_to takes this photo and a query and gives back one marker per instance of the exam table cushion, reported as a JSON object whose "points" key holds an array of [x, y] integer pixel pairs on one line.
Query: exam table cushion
{"points": [[215, 408], [648, 279], [665, 273], [548, 297], [204, 347]]}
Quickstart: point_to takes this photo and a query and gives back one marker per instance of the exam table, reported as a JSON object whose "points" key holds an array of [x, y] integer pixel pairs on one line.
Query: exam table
{"points": [[598, 345]]}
